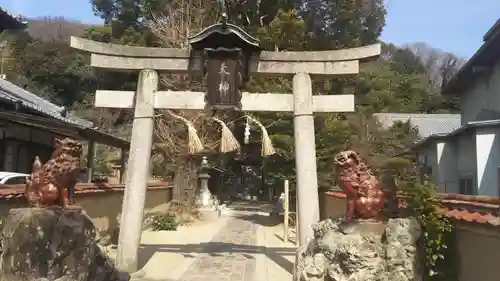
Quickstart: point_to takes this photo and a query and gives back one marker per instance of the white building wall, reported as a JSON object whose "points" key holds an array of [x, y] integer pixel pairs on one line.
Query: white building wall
{"points": [[484, 94], [446, 158], [428, 152], [441, 156], [472, 157], [473, 100], [477, 155], [466, 154], [488, 160]]}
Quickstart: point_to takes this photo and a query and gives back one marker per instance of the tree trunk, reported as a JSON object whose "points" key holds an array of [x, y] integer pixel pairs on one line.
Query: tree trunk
{"points": [[186, 183], [190, 192], [179, 180]]}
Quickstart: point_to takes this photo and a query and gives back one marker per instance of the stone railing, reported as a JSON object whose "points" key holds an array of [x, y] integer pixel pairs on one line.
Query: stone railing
{"points": [[101, 201]]}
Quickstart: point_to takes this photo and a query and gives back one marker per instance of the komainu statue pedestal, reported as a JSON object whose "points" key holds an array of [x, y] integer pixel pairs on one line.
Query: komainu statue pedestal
{"points": [[53, 244], [361, 250]]}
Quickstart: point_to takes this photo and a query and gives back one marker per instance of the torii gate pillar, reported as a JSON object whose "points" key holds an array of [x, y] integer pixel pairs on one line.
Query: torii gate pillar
{"points": [[305, 156], [141, 143]]}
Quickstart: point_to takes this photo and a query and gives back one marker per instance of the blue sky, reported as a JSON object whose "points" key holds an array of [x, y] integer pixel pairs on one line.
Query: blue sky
{"points": [[451, 25]]}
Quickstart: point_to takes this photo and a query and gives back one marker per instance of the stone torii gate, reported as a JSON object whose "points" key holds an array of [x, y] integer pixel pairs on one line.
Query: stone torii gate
{"points": [[211, 47]]}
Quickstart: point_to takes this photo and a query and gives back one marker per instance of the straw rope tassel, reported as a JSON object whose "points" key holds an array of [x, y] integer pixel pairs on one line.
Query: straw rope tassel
{"points": [[267, 145], [194, 143], [228, 142]]}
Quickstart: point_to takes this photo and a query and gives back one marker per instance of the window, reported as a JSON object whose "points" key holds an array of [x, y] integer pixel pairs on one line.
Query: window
{"points": [[466, 185], [16, 180]]}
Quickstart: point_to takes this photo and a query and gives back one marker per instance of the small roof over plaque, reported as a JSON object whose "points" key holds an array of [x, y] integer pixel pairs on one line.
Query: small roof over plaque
{"points": [[224, 35]]}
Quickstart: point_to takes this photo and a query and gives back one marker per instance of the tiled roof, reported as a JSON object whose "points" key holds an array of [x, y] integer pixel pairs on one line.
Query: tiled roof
{"points": [[468, 208], [472, 208], [465, 215], [461, 130], [486, 56], [427, 124], [13, 93], [493, 31], [8, 192], [16, 18]]}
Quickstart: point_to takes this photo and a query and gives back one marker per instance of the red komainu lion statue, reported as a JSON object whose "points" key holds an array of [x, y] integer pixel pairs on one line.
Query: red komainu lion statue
{"points": [[52, 183], [365, 198]]}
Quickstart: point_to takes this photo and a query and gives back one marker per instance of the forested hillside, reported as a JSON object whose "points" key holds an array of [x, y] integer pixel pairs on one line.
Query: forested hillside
{"points": [[403, 79], [55, 29]]}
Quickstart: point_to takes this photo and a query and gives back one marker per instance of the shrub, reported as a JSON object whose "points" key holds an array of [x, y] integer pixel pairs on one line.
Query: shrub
{"points": [[163, 222], [437, 235]]}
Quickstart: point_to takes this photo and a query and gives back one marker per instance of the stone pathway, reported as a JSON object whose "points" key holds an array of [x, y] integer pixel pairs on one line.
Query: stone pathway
{"points": [[228, 257], [245, 244]]}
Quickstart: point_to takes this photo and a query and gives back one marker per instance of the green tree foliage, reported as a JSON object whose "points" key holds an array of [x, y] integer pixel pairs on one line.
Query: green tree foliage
{"points": [[341, 24], [56, 68], [128, 19], [403, 79]]}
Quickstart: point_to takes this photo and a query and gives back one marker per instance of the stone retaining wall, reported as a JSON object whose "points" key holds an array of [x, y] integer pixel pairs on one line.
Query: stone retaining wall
{"points": [[102, 202]]}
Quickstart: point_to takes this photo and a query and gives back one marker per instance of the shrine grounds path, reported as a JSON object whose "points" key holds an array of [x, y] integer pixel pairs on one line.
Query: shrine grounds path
{"points": [[246, 244]]}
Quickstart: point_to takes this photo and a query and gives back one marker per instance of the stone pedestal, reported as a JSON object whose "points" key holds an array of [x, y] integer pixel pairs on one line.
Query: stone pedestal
{"points": [[204, 197], [55, 244], [210, 215], [361, 251]]}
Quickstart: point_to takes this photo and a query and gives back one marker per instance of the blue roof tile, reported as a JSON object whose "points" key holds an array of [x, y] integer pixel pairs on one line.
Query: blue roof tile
{"points": [[13, 93], [427, 124]]}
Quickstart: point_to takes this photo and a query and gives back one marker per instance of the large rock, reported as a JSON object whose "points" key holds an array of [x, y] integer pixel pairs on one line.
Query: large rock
{"points": [[54, 244], [361, 251]]}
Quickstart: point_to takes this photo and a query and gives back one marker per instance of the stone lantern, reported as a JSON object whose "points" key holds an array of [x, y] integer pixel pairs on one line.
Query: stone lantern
{"points": [[205, 197], [225, 51], [208, 205]]}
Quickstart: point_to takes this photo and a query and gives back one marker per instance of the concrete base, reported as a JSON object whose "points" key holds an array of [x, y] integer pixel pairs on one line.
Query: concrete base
{"points": [[210, 215]]}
